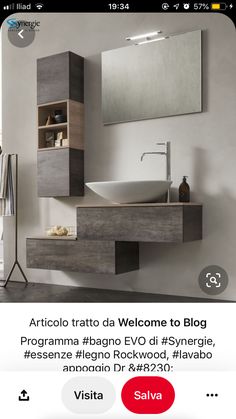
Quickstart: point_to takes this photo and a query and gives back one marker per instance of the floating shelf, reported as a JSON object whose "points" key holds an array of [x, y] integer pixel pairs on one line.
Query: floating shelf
{"points": [[51, 148], [53, 126]]}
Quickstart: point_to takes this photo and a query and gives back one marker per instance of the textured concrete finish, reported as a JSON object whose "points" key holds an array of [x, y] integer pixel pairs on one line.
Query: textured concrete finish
{"points": [[202, 146]]}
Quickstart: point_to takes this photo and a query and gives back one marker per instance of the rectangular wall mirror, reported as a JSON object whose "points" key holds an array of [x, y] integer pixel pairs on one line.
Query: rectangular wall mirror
{"points": [[153, 80]]}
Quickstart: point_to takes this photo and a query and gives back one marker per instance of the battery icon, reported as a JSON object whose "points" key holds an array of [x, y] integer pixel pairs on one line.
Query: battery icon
{"points": [[218, 6]]}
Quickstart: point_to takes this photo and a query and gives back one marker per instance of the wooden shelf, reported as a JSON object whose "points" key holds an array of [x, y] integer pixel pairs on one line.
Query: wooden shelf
{"points": [[52, 148], [53, 126], [57, 102]]}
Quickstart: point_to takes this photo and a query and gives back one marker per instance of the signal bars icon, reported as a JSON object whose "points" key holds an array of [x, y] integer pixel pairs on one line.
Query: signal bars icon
{"points": [[8, 6]]}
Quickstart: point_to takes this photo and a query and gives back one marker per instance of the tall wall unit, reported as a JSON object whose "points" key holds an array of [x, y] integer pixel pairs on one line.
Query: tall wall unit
{"points": [[60, 99]]}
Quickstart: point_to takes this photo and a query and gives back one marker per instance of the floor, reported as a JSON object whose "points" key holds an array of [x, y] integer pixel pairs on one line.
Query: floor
{"points": [[20, 293]]}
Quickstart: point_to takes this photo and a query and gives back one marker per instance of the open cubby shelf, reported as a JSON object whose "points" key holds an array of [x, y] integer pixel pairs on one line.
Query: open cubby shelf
{"points": [[67, 134]]}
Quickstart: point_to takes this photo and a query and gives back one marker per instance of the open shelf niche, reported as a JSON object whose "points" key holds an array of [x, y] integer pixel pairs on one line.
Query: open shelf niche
{"points": [[66, 134]]}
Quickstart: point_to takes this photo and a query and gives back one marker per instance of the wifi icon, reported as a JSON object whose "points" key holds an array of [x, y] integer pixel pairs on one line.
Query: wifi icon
{"points": [[39, 6]]}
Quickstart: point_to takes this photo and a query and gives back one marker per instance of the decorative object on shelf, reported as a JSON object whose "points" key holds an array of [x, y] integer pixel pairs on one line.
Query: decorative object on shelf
{"points": [[50, 120], [60, 135], [65, 142], [13, 203], [59, 117], [58, 142], [50, 138], [50, 144], [60, 231], [184, 191]]}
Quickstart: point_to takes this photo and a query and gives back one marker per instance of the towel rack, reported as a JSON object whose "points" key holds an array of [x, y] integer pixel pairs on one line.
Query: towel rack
{"points": [[16, 262]]}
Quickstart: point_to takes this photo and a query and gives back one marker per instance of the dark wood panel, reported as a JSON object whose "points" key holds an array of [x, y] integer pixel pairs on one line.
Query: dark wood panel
{"points": [[192, 223], [60, 172], [60, 77], [127, 255], [91, 256], [76, 172], [76, 84], [140, 223]]}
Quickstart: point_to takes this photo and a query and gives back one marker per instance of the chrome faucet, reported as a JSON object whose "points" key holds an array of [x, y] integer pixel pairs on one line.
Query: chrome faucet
{"points": [[166, 153]]}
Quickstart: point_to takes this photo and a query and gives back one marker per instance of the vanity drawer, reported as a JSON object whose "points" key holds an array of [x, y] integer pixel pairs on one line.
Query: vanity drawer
{"points": [[160, 223], [91, 256]]}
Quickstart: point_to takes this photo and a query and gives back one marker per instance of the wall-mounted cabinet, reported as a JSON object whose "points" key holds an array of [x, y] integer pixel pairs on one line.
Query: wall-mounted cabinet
{"points": [[60, 125], [60, 172], [60, 77]]}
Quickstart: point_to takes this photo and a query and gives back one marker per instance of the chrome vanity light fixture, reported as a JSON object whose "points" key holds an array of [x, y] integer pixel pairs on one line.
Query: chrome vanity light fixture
{"points": [[148, 37], [152, 40], [144, 35]]}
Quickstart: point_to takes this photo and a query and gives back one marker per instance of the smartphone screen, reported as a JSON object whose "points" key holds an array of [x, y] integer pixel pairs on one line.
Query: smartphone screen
{"points": [[117, 210]]}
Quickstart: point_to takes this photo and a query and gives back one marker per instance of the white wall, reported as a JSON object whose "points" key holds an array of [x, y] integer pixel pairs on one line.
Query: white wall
{"points": [[203, 146]]}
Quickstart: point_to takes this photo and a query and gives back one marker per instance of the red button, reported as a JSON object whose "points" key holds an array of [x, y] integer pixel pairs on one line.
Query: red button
{"points": [[148, 395]]}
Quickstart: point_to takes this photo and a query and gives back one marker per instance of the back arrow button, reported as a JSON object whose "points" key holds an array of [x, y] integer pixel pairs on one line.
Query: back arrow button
{"points": [[20, 33]]}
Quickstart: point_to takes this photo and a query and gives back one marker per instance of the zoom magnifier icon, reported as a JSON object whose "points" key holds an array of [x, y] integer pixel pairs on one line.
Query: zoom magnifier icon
{"points": [[213, 280]]}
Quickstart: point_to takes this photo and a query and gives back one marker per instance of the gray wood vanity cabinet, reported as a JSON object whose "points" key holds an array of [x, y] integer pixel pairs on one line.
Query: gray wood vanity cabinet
{"points": [[109, 235], [162, 223], [89, 256]]}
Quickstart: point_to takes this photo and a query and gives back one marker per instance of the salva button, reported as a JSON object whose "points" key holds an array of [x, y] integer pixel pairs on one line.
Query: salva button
{"points": [[85, 395], [148, 395]]}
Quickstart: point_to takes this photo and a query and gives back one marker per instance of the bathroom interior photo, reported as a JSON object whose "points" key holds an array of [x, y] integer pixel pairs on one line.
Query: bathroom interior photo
{"points": [[117, 164]]}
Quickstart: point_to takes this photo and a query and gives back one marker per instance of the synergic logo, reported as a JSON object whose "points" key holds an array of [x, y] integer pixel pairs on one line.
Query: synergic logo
{"points": [[22, 24]]}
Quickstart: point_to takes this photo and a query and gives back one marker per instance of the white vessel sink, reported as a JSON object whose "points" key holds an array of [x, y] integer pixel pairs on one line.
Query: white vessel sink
{"points": [[130, 192]]}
